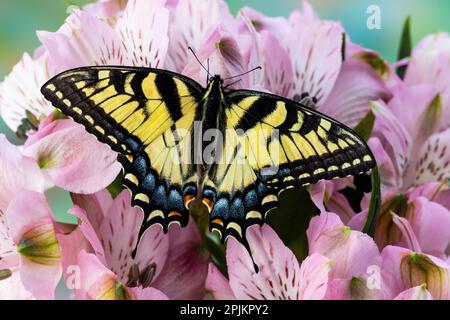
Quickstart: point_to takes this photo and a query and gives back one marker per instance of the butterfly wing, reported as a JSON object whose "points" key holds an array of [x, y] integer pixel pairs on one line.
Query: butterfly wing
{"points": [[278, 144], [146, 115]]}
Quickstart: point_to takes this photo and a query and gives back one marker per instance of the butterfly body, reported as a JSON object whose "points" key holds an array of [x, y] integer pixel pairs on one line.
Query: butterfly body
{"points": [[177, 141]]}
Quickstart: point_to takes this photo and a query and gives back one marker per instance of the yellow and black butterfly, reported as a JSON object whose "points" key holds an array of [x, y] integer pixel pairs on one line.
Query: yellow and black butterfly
{"points": [[152, 118]]}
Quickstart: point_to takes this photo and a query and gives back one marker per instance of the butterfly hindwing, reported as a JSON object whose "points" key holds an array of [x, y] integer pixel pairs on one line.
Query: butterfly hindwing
{"points": [[146, 116]]}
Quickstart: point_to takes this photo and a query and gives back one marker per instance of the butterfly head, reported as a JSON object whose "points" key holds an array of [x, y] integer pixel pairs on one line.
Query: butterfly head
{"points": [[217, 79]]}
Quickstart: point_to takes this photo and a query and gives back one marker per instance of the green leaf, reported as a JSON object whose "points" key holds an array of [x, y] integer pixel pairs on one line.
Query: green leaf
{"points": [[365, 126], [290, 220], [116, 186], [374, 205], [217, 250], [405, 46]]}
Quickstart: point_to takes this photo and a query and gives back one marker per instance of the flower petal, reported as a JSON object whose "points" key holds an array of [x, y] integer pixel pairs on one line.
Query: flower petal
{"points": [[356, 84], [314, 277], [430, 223], [326, 197], [277, 69], [218, 285], [97, 281], [147, 294], [18, 173], [75, 45], [315, 50], [402, 269], [351, 251], [388, 174], [95, 205], [73, 158], [438, 192], [426, 67], [32, 229], [20, 91], [89, 233], [224, 53], [139, 46], [393, 136], [416, 293], [153, 248], [12, 288], [119, 234], [189, 30], [433, 161], [279, 273], [184, 273]]}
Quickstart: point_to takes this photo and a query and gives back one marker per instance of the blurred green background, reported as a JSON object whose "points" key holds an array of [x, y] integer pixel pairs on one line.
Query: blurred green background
{"points": [[19, 19]]}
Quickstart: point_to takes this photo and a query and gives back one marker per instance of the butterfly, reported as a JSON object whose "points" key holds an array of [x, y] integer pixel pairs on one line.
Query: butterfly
{"points": [[258, 144]]}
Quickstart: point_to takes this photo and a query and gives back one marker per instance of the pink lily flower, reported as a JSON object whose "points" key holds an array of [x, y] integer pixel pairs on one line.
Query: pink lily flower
{"points": [[64, 152], [404, 269], [20, 96], [354, 258], [280, 275], [29, 250], [171, 265]]}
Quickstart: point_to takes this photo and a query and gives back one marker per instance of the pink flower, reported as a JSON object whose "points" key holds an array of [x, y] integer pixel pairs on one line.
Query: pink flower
{"points": [[427, 225], [170, 265], [100, 283], [29, 249], [429, 65], [65, 153], [353, 257], [18, 173], [403, 269], [280, 276], [20, 96]]}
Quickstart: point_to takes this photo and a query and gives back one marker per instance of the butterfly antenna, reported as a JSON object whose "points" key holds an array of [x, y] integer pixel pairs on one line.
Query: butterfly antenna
{"points": [[232, 83], [243, 74], [198, 60]]}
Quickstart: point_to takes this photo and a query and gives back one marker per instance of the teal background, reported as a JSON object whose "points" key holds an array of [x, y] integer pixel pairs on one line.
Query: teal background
{"points": [[19, 19]]}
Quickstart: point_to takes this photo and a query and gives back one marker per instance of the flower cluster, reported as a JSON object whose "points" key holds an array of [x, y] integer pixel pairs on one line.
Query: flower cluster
{"points": [[100, 257]]}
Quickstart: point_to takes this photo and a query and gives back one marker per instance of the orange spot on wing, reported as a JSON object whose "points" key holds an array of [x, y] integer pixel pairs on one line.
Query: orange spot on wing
{"points": [[188, 198], [217, 221], [175, 213], [209, 203]]}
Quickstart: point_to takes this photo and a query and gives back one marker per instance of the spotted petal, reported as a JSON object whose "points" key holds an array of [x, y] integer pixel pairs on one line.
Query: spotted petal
{"points": [[316, 57], [279, 275], [434, 159], [139, 46], [20, 91]]}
